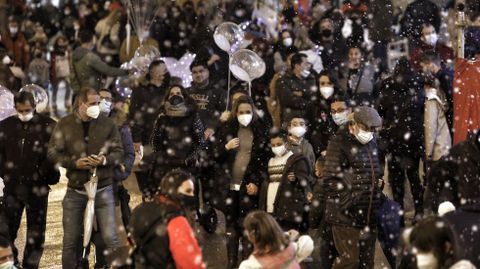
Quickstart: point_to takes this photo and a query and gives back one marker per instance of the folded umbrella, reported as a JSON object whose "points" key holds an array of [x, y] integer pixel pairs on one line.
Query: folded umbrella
{"points": [[91, 189]]}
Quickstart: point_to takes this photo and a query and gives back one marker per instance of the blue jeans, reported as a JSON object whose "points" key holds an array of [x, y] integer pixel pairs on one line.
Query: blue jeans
{"points": [[73, 209]]}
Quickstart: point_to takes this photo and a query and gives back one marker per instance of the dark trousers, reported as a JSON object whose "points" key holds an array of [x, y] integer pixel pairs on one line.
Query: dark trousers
{"points": [[36, 208], [399, 169], [354, 250], [324, 253], [235, 232]]}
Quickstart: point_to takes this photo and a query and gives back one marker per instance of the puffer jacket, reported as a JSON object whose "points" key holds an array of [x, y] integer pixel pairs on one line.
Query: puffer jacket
{"points": [[351, 181]]}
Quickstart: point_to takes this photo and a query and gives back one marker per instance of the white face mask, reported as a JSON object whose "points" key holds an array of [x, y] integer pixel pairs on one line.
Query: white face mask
{"points": [[245, 119], [279, 151], [364, 137], [340, 118], [298, 131], [13, 30], [326, 91], [6, 60], [431, 39], [305, 73], [25, 118], [105, 106], [8, 265], [93, 111], [287, 42], [426, 261]]}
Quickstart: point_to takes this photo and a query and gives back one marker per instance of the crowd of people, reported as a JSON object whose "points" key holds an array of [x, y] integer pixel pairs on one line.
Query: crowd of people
{"points": [[287, 175]]}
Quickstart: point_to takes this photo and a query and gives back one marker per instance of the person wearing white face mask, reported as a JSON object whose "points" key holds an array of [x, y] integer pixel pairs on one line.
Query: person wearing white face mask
{"points": [[288, 173], [353, 166], [297, 142], [27, 173], [82, 141], [17, 46], [433, 246], [321, 125], [241, 156], [284, 48], [429, 42]]}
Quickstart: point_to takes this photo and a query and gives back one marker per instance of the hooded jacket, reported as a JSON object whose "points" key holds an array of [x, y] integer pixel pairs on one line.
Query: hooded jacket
{"points": [[460, 170], [163, 237], [88, 69]]}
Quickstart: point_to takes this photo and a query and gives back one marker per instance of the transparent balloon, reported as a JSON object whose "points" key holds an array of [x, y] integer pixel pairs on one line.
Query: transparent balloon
{"points": [[40, 96], [246, 65], [144, 55], [7, 107], [229, 37]]}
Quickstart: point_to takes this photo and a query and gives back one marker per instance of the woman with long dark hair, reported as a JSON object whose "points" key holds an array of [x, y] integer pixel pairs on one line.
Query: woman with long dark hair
{"points": [[242, 153], [177, 138]]}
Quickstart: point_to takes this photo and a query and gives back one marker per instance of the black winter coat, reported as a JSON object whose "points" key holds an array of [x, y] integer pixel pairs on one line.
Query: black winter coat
{"points": [[461, 170], [322, 127], [291, 199], [465, 240], [351, 181], [256, 171], [152, 249], [144, 108], [23, 153], [177, 142], [401, 105]]}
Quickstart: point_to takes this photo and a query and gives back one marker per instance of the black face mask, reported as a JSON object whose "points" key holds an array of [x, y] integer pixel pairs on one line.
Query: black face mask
{"points": [[189, 202], [326, 33], [175, 100]]}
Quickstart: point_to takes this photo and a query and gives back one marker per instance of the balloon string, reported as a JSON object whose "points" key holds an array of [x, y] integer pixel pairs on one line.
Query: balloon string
{"points": [[250, 88], [228, 84]]}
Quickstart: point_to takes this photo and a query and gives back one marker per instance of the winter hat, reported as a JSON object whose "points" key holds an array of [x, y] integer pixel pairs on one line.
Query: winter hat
{"points": [[367, 116], [445, 207]]}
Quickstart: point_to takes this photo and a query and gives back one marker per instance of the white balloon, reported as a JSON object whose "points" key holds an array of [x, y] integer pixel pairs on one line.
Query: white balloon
{"points": [[246, 65], [239, 73]]}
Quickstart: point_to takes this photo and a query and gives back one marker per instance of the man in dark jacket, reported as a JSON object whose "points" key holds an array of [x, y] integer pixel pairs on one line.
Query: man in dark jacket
{"points": [[88, 68], [295, 89], [357, 78], [417, 13], [401, 104], [209, 99], [144, 108], [351, 179], [432, 64], [81, 142], [27, 173]]}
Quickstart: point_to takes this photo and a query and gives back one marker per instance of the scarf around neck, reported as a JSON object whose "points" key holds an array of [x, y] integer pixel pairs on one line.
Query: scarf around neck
{"points": [[179, 110]]}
